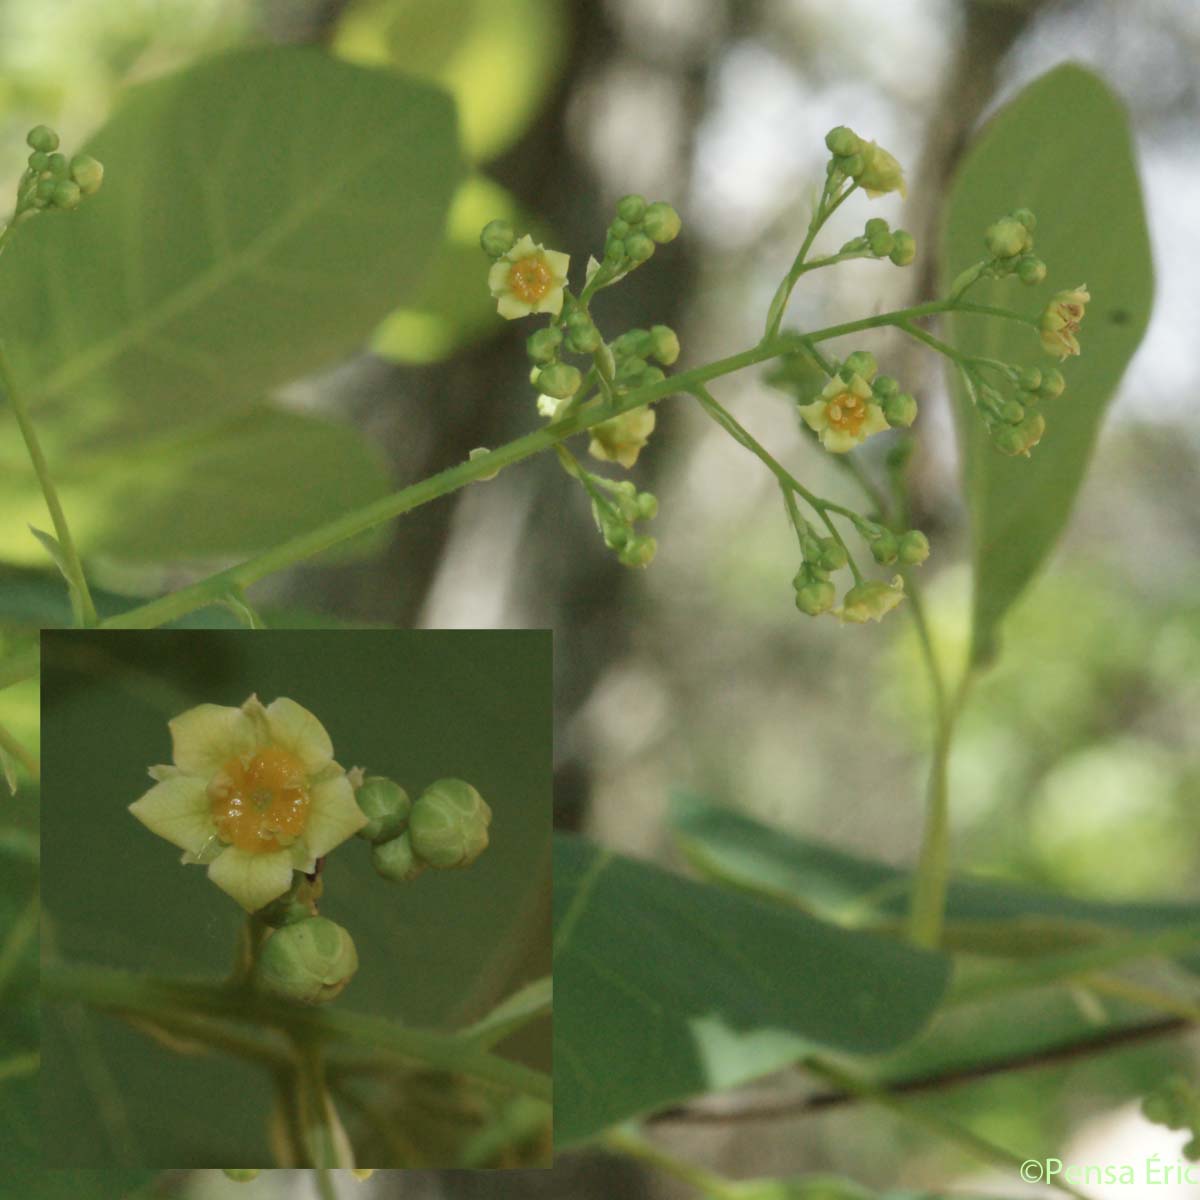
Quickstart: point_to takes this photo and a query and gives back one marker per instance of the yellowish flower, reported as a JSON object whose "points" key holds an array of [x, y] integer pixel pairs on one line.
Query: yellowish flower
{"points": [[871, 601], [881, 174], [528, 279], [1060, 321], [620, 439], [254, 794], [844, 414], [364, 1173]]}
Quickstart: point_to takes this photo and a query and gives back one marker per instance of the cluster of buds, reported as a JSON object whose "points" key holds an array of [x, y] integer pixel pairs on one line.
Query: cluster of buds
{"points": [[637, 228], [880, 240], [445, 827], [1175, 1103], [855, 402], [909, 547], [1010, 246], [51, 180], [867, 600], [1013, 422], [617, 507], [867, 163]]}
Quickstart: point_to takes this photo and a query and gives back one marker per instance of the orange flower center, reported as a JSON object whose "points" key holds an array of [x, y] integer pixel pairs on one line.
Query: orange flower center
{"points": [[529, 279], [260, 803], [846, 413]]}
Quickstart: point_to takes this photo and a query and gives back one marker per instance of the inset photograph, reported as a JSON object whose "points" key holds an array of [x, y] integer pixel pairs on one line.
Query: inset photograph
{"points": [[296, 899]]}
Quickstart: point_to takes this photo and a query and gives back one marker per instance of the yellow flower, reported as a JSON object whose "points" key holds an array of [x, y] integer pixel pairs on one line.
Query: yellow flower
{"points": [[1060, 322], [254, 794], [844, 414], [871, 601], [881, 174], [528, 279], [620, 439]]}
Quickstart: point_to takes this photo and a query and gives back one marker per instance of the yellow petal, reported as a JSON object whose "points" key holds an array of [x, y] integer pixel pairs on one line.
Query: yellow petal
{"points": [[253, 880], [178, 809], [523, 248], [551, 302], [875, 421], [206, 737], [296, 729], [838, 441], [815, 415], [510, 308], [558, 262], [333, 816], [498, 277]]}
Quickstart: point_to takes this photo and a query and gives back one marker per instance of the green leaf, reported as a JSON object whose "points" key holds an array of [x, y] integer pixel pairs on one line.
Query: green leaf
{"points": [[36, 1183], [983, 916], [1063, 149], [670, 988]]}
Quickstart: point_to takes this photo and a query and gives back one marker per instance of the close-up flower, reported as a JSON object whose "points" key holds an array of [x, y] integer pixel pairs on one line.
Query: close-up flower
{"points": [[844, 414], [1060, 321], [882, 173], [528, 279], [253, 794], [621, 438], [871, 601]]}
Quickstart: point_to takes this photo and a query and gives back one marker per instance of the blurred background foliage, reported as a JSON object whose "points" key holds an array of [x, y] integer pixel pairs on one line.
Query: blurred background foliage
{"points": [[1077, 765]]}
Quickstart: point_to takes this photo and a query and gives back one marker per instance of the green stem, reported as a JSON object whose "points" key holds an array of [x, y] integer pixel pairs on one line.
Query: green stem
{"points": [[125, 993], [72, 567], [316, 1107], [325, 1187], [624, 1141], [24, 756]]}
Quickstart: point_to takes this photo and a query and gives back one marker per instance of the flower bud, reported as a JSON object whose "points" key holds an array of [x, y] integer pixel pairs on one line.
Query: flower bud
{"points": [[913, 548], [1006, 238], [871, 601], [905, 248], [1012, 412], [542, 346], [638, 552], [830, 555], [386, 806], [309, 962], [853, 165], [583, 338], [631, 208], [639, 247], [1026, 218], [449, 824], [633, 343], [881, 173], [1053, 384], [395, 860], [646, 506], [42, 137], [67, 194], [240, 1174], [861, 362], [884, 386], [88, 173], [45, 189], [38, 160], [842, 141], [497, 238], [1029, 378], [665, 344], [899, 410], [879, 237], [1060, 321], [815, 597], [885, 547], [57, 165], [619, 228], [1030, 270], [661, 222], [560, 380]]}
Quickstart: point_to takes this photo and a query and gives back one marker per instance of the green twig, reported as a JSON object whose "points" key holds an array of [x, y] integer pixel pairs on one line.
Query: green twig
{"points": [[624, 1141]]}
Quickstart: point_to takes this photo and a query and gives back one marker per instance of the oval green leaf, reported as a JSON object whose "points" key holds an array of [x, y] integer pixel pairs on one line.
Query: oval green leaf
{"points": [[1063, 149]]}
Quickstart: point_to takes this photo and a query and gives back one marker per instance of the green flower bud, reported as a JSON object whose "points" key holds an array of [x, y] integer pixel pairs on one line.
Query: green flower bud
{"points": [[1006, 238], [67, 194], [875, 226], [815, 597], [42, 137], [1053, 384], [861, 362], [665, 344], [57, 164], [631, 208], [899, 410], [638, 552], [1026, 218], [631, 369], [905, 248], [497, 238], [614, 249], [542, 346], [88, 173], [38, 160], [1030, 270], [885, 547], [843, 141], [884, 386], [449, 823], [309, 962], [913, 548], [239, 1174], [45, 189], [639, 247], [619, 228], [584, 338], [560, 380], [830, 555], [386, 806], [637, 343], [853, 165], [1012, 412], [1030, 378], [647, 506], [652, 375], [881, 241], [661, 222], [395, 860]]}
